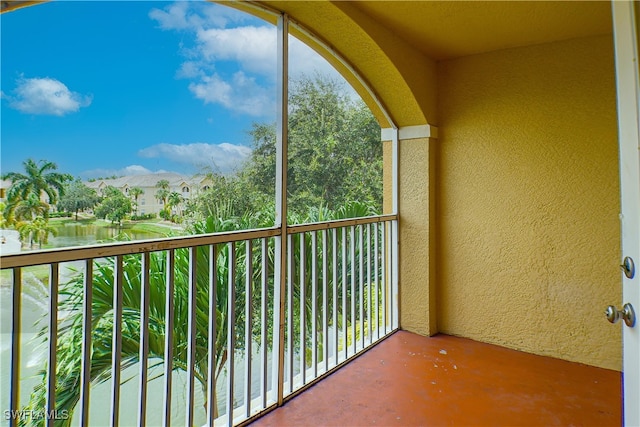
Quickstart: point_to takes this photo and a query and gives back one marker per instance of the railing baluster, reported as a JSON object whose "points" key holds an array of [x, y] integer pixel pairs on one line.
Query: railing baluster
{"points": [[290, 327], [144, 339], [211, 349], [394, 274], [248, 323], [16, 327], [191, 338], [168, 336], [325, 303], [334, 271], [87, 314], [231, 325], [361, 283], [303, 302], [384, 259], [314, 303], [53, 342], [369, 295], [263, 331], [376, 276], [345, 343], [116, 345], [353, 289]]}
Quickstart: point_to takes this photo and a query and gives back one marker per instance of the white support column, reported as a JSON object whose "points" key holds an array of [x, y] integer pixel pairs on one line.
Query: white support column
{"points": [[281, 204]]}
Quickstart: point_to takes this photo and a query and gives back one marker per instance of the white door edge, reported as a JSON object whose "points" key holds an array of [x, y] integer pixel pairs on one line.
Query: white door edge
{"points": [[627, 82]]}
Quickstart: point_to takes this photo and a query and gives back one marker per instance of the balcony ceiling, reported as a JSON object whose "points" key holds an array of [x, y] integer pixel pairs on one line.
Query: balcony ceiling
{"points": [[451, 29]]}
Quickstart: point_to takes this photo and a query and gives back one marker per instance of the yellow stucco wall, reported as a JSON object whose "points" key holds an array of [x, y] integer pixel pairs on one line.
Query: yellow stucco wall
{"points": [[528, 200]]}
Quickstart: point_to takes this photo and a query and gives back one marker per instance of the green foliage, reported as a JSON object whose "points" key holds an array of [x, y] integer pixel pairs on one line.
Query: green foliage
{"points": [[335, 156], [38, 178], [335, 152], [36, 231], [228, 196], [134, 193], [63, 214], [114, 206], [19, 209], [77, 197], [142, 217]]}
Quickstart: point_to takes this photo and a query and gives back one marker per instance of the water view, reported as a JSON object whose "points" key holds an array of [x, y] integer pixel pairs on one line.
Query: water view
{"points": [[83, 234]]}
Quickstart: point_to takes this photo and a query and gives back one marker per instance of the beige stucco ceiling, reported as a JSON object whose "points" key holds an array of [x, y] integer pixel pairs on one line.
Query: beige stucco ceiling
{"points": [[450, 29]]}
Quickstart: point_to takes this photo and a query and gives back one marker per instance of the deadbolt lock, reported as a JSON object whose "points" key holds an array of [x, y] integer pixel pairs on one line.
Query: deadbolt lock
{"points": [[627, 314]]}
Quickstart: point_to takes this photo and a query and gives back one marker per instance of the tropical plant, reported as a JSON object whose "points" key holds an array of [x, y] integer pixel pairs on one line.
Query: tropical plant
{"points": [[38, 178], [174, 200], [36, 231], [136, 192], [163, 191], [20, 209], [70, 331]]}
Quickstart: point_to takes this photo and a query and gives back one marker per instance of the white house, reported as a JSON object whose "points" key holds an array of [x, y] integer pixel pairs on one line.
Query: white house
{"points": [[147, 202]]}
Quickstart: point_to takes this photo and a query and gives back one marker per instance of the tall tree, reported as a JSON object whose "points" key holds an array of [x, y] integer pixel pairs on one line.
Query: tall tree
{"points": [[335, 151], [136, 192], [36, 231], [115, 206], [77, 197], [26, 209], [174, 200], [163, 190], [38, 178]]}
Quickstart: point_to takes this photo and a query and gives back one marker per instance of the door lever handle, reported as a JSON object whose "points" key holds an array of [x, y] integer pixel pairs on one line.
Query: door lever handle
{"points": [[627, 314]]}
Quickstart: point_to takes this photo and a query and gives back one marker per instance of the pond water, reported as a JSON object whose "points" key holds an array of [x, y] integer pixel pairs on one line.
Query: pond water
{"points": [[79, 234]]}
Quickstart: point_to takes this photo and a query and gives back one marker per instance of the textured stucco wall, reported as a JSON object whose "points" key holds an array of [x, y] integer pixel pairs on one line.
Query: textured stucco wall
{"points": [[417, 285], [528, 200]]}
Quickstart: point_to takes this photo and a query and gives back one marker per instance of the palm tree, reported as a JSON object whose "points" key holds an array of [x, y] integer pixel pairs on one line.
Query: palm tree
{"points": [[26, 209], [135, 192], [174, 200], [38, 178], [36, 231]]}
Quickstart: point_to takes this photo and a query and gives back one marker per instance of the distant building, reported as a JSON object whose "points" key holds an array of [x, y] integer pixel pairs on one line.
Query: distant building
{"points": [[4, 187], [186, 186]]}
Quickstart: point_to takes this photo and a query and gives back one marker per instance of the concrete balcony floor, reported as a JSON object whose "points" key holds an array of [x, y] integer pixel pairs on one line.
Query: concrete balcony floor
{"points": [[410, 380]]}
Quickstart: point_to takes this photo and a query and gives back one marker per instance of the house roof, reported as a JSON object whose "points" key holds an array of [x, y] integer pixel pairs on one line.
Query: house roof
{"points": [[148, 180]]}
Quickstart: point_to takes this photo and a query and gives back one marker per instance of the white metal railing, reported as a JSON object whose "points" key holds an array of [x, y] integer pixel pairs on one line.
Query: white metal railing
{"points": [[202, 309]]}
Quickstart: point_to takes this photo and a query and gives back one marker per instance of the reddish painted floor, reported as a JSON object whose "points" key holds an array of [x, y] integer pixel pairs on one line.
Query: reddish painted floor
{"points": [[409, 380]]}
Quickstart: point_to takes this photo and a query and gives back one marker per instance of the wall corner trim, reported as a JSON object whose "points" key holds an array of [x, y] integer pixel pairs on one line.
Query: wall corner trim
{"points": [[410, 132]]}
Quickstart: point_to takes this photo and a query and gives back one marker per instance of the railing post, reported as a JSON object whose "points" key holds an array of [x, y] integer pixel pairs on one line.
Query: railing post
{"points": [[281, 202], [395, 240]]}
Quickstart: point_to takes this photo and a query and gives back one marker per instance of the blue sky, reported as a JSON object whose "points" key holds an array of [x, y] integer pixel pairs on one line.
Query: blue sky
{"points": [[125, 87]]}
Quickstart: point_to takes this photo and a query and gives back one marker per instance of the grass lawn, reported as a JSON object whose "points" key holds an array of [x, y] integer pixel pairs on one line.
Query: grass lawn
{"points": [[41, 272]]}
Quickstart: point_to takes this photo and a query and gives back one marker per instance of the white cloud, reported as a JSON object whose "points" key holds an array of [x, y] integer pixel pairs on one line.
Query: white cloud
{"points": [[193, 16], [46, 96], [223, 157], [176, 17], [241, 94], [126, 171], [232, 58], [254, 48]]}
